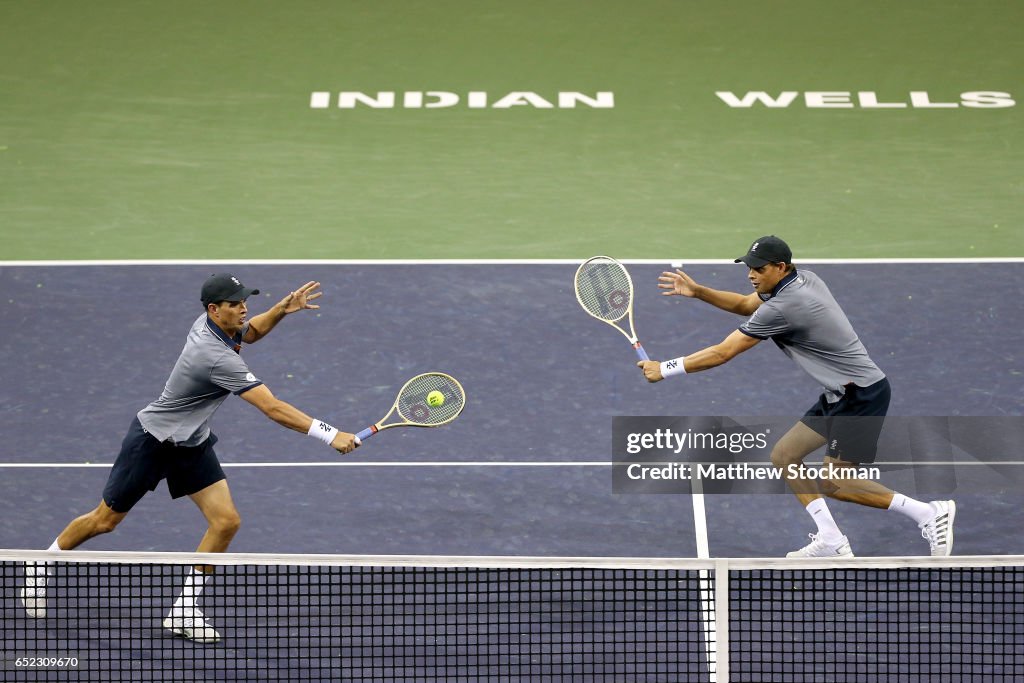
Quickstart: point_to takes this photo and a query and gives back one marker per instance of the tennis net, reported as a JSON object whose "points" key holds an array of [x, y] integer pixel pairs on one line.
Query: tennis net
{"points": [[424, 618]]}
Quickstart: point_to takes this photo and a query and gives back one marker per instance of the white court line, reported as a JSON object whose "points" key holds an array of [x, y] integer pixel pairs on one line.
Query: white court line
{"points": [[489, 463], [674, 262], [700, 519], [709, 624]]}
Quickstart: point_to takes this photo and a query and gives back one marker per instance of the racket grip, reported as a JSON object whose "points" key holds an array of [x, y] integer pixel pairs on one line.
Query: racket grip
{"points": [[640, 352], [365, 434]]}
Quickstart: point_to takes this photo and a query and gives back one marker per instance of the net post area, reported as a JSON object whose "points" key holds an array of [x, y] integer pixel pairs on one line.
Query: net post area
{"points": [[92, 616]]}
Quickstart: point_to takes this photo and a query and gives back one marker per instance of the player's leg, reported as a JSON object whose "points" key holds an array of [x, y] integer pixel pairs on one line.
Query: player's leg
{"points": [[788, 455], [850, 489], [136, 470], [198, 475], [935, 519], [37, 574], [222, 518], [102, 520], [854, 442]]}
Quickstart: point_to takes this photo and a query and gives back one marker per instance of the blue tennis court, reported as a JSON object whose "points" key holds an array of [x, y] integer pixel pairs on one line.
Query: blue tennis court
{"points": [[525, 470]]}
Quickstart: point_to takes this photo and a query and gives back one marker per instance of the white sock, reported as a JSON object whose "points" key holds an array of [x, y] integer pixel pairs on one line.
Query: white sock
{"points": [[37, 573], [915, 509], [819, 512], [185, 605]]}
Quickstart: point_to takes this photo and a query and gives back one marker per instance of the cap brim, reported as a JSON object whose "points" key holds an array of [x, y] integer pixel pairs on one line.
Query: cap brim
{"points": [[242, 294], [752, 261]]}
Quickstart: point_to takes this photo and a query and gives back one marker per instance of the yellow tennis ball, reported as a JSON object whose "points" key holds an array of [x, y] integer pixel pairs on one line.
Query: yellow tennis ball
{"points": [[435, 399]]}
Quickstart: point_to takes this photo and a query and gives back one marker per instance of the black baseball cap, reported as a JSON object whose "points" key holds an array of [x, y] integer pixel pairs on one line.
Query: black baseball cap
{"points": [[224, 287], [765, 250]]}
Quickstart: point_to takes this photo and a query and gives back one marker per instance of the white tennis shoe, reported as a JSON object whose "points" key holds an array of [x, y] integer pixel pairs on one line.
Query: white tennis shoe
{"points": [[192, 627], [33, 593], [819, 548], [938, 530]]}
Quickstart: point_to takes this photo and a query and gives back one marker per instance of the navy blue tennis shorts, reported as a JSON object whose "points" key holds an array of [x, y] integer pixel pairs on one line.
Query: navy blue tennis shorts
{"points": [[144, 461], [852, 424]]}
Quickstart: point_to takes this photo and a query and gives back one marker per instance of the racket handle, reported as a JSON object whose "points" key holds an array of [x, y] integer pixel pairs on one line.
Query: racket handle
{"points": [[640, 352], [365, 434]]}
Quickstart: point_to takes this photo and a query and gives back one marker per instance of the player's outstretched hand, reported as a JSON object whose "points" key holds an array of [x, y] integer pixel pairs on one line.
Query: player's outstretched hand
{"points": [[344, 442], [300, 298], [652, 370], [677, 284]]}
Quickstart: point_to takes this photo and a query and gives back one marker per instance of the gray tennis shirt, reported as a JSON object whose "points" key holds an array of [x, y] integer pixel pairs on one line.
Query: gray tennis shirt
{"points": [[208, 369], [801, 316]]}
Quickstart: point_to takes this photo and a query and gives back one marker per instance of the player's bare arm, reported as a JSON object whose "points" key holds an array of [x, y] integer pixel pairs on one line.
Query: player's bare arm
{"points": [[299, 300], [681, 284], [705, 359], [287, 415]]}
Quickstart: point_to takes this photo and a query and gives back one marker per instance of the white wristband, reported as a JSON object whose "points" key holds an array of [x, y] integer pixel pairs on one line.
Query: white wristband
{"points": [[673, 367], [321, 431]]}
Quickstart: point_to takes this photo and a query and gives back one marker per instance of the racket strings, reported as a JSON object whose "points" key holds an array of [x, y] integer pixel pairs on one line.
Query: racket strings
{"points": [[604, 289], [412, 400]]}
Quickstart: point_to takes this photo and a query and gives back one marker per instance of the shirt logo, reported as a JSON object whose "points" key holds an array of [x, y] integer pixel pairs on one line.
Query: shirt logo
{"points": [[249, 377]]}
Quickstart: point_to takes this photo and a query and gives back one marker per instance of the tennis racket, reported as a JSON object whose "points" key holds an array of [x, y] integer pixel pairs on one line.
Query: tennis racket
{"points": [[411, 408], [605, 291]]}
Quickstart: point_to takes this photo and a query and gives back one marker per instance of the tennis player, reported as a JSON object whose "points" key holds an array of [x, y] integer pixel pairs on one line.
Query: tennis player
{"points": [[171, 439], [796, 310]]}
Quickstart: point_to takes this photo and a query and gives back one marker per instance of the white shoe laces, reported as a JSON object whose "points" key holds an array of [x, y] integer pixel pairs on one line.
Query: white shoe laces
{"points": [[816, 542], [930, 530]]}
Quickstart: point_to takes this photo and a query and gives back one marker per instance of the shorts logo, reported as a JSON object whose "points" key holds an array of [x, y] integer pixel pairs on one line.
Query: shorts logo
{"points": [[834, 445], [249, 377]]}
